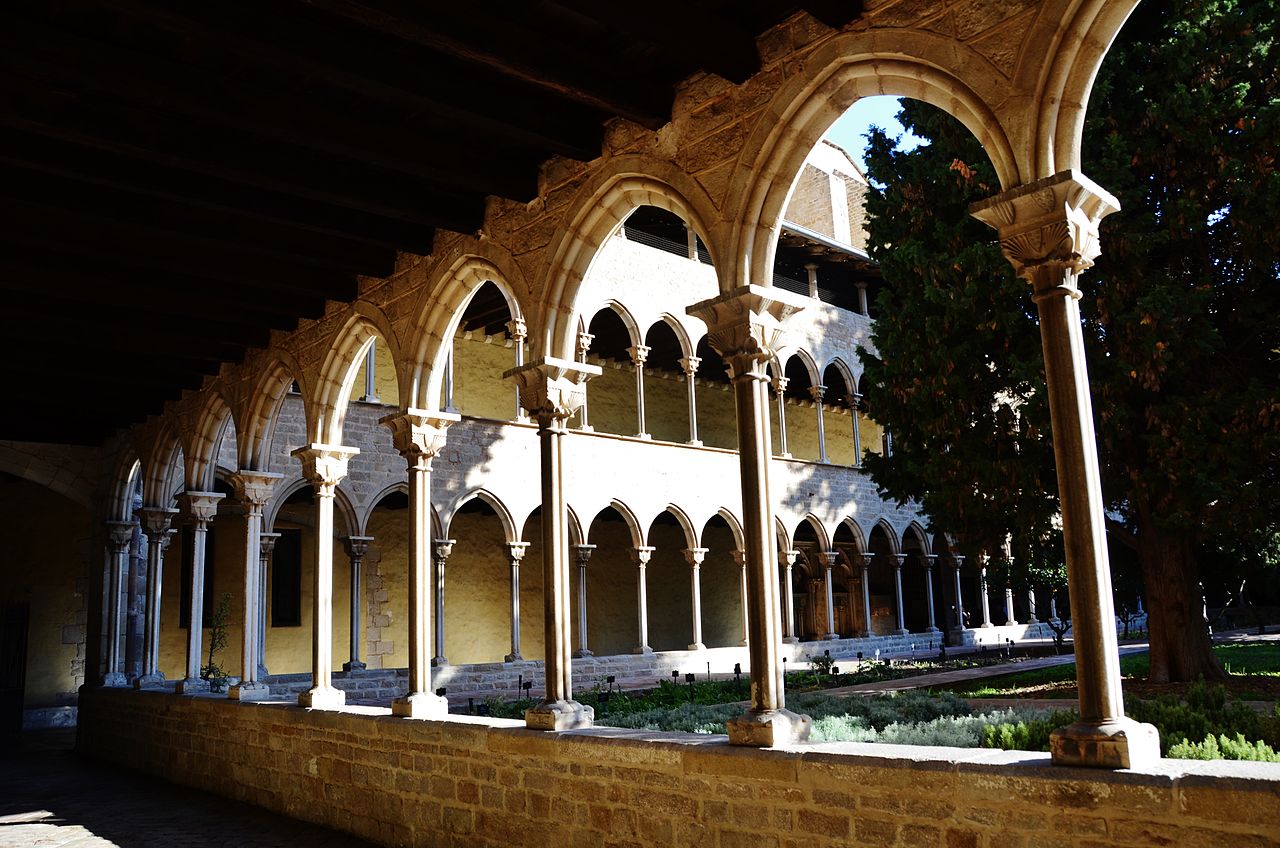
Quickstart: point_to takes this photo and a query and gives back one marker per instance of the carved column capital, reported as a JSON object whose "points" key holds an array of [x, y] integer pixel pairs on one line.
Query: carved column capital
{"points": [[120, 534], [745, 326], [516, 551], [855, 401], [641, 554], [518, 329], [253, 488], [901, 560], [443, 548], [930, 560], [695, 556], [324, 466], [552, 389], [201, 507], [418, 435], [639, 354], [156, 520], [959, 560], [1049, 227], [267, 543], [780, 385], [866, 561], [788, 557], [827, 559], [357, 546], [816, 392], [690, 364], [583, 553], [584, 345]]}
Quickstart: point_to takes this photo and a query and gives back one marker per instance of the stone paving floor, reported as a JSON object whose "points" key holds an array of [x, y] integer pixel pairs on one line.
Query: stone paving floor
{"points": [[52, 798]]}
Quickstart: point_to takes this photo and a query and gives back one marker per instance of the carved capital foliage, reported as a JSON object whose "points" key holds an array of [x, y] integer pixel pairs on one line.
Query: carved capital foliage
{"points": [[516, 551], [583, 553], [1048, 229], [253, 488], [324, 466], [552, 389], [444, 548], [642, 554], [267, 543], [695, 556], [639, 354], [357, 546], [690, 364], [788, 558], [745, 326], [120, 533], [201, 507], [517, 328], [419, 435], [156, 520]]}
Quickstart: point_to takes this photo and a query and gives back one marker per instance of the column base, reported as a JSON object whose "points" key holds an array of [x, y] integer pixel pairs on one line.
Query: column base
{"points": [[642, 649], [1011, 623], [784, 455], [323, 698], [559, 715], [694, 443], [745, 643], [420, 705], [582, 652], [439, 662], [262, 671], [867, 634], [254, 691], [191, 686], [1118, 744], [353, 665], [586, 428], [902, 631], [645, 436], [697, 646], [513, 658], [791, 640], [149, 681], [932, 631], [1033, 620], [829, 637], [986, 625], [115, 679], [769, 729]]}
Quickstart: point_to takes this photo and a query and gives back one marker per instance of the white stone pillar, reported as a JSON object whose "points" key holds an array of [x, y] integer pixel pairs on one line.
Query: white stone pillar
{"points": [[1053, 606], [862, 297], [828, 560], [584, 345], [695, 556], [120, 537], [690, 365], [855, 406], [866, 595], [639, 355], [816, 392], [519, 333], [552, 390], [324, 467], [691, 243], [201, 507], [419, 436], [253, 489], [515, 553], [745, 327], [780, 388], [582, 554], [744, 602], [156, 521], [442, 548], [268, 544], [811, 268], [985, 590], [448, 381], [929, 562], [1009, 618], [357, 548], [899, 561], [1031, 606], [958, 561], [640, 555], [789, 598], [371, 374]]}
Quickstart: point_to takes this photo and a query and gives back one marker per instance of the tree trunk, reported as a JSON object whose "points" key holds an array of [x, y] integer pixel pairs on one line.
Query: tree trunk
{"points": [[1180, 646]]}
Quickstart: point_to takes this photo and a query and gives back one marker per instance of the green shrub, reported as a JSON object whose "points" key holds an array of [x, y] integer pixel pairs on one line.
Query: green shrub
{"points": [[1224, 747], [1206, 712], [1025, 734]]}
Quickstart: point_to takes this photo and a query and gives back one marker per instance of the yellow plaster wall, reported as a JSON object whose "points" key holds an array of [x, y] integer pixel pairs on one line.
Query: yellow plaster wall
{"points": [[478, 386]]}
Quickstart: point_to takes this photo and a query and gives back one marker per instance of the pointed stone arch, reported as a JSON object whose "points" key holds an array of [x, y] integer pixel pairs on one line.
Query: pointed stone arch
{"points": [[364, 323], [204, 436], [509, 527], [261, 410]]}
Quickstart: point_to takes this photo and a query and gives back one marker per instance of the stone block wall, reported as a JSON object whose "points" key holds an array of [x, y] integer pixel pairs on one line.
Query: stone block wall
{"points": [[484, 782]]}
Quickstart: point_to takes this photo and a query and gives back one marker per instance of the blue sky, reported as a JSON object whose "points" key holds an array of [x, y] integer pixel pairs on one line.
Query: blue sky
{"points": [[850, 129]]}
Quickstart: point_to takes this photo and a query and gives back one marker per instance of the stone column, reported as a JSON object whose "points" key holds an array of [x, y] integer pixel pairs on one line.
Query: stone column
{"points": [[985, 591], [1053, 606], [641, 557], [419, 435], [868, 630], [357, 548], [811, 269], [744, 599], [780, 388], [855, 404], [862, 297], [200, 507], [639, 355], [519, 332], [899, 561], [958, 561], [929, 562], [1049, 231], [691, 243], [136, 595], [789, 598], [690, 365], [582, 554], [552, 390], [584, 345], [253, 489], [268, 544], [816, 392], [1009, 618], [442, 549], [828, 560], [695, 556], [1031, 606], [448, 381], [515, 553], [156, 521], [323, 466], [120, 537], [745, 327], [370, 375]]}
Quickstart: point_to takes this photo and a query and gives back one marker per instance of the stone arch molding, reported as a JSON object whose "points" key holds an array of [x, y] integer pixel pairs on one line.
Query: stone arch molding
{"points": [[509, 527], [272, 375], [363, 324]]}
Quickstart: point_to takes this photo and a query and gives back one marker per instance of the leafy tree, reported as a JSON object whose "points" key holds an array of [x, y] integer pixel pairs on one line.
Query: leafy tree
{"points": [[1181, 320]]}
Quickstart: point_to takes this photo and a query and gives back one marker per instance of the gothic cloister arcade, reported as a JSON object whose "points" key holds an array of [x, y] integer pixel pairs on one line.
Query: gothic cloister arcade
{"points": [[606, 420]]}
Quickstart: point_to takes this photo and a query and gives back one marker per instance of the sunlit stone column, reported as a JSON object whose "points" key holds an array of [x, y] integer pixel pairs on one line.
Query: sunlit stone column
{"points": [[690, 365], [641, 556], [862, 297], [1009, 618], [744, 327], [811, 269], [828, 560], [552, 390], [868, 630], [323, 466], [639, 355], [789, 597], [519, 333], [899, 561], [695, 556], [855, 405], [1053, 606], [442, 548], [119, 538], [357, 549], [582, 554], [1031, 606], [957, 561], [419, 435], [1049, 231], [253, 489], [817, 393], [985, 590], [740, 558], [156, 521], [584, 345], [929, 561], [200, 507], [780, 388], [266, 546], [515, 553]]}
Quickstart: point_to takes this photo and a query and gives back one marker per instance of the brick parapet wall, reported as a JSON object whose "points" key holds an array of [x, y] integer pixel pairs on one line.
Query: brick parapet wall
{"points": [[487, 782]]}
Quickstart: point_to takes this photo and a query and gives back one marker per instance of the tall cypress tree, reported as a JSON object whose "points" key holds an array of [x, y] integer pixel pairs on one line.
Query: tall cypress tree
{"points": [[1182, 320]]}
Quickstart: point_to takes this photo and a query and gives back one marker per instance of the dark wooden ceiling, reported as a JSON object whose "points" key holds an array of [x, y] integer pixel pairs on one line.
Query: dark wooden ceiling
{"points": [[178, 178]]}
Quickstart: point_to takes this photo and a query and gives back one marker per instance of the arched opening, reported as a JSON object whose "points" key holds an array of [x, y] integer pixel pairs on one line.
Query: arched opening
{"points": [[722, 614], [612, 606], [666, 385], [477, 588], [716, 427], [487, 342], [670, 586], [837, 412], [883, 548], [383, 609], [797, 401], [915, 590], [612, 396]]}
